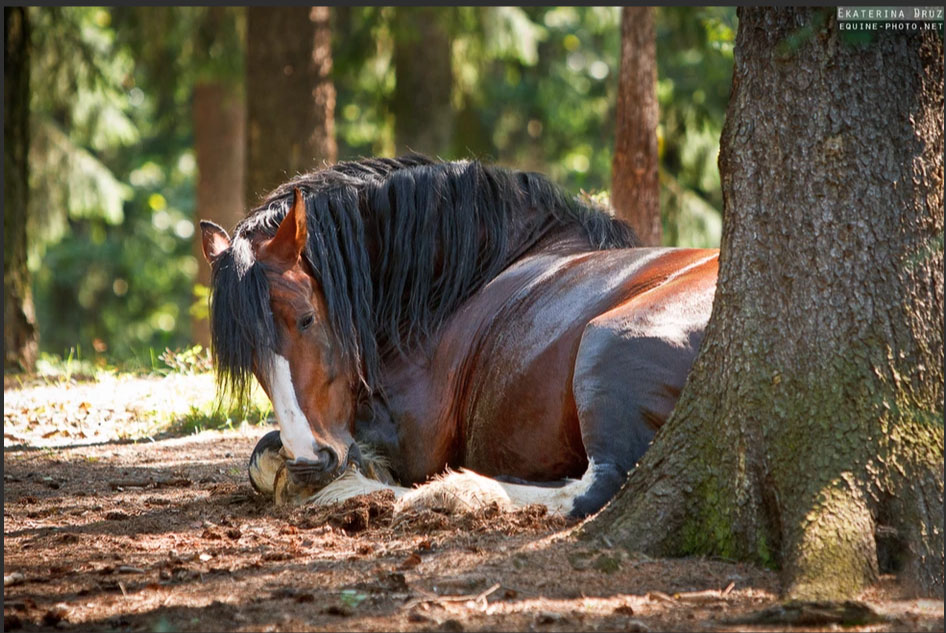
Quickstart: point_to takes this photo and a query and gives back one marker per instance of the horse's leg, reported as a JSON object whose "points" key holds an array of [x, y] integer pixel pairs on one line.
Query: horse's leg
{"points": [[631, 366], [628, 375], [267, 458], [456, 492], [624, 389]]}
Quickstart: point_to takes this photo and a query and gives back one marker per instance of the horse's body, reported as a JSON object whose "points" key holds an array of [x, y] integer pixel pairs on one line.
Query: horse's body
{"points": [[563, 352], [559, 361]]}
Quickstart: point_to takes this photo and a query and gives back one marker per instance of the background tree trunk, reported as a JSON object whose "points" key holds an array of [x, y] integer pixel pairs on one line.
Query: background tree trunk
{"points": [[219, 111], [423, 114], [290, 95], [634, 185], [19, 321], [810, 433], [219, 144], [322, 139]]}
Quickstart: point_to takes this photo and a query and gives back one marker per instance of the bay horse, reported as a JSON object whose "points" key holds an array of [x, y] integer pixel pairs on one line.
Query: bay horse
{"points": [[433, 316]]}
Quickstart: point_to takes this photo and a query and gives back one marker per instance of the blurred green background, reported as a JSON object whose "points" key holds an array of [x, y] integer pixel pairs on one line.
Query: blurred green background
{"points": [[113, 171]]}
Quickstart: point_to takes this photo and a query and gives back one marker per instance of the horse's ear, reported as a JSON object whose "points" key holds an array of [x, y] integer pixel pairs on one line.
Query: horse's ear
{"points": [[214, 240], [290, 238]]}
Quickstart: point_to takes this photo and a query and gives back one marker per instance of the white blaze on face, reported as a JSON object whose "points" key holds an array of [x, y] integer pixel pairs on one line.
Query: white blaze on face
{"points": [[294, 429]]}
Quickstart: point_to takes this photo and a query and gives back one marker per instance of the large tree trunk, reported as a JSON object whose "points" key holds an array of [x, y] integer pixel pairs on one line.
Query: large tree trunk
{"points": [[810, 432], [634, 186], [290, 95], [423, 114], [19, 321]]}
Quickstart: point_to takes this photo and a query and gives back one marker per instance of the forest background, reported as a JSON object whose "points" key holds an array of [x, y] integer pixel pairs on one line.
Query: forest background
{"points": [[119, 98]]}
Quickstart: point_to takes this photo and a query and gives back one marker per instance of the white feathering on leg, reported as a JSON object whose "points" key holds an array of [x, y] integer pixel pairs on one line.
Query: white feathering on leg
{"points": [[455, 492], [464, 491]]}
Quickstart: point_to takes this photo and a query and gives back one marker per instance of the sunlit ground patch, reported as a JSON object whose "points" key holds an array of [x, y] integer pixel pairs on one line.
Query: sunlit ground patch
{"points": [[115, 406]]}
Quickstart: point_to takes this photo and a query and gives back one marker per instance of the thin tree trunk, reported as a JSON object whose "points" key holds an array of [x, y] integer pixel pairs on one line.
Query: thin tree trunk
{"points": [[634, 185], [810, 433], [19, 320], [219, 143], [322, 140], [423, 114], [290, 96]]}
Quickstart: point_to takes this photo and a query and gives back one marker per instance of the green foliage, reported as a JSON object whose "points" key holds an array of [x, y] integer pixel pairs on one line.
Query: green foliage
{"points": [[209, 417], [209, 413], [72, 367], [694, 74], [192, 360], [535, 88], [364, 80], [113, 169], [113, 172], [80, 119]]}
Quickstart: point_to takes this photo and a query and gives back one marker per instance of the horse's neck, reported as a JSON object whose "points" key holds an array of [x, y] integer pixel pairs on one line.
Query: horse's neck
{"points": [[522, 235], [559, 239]]}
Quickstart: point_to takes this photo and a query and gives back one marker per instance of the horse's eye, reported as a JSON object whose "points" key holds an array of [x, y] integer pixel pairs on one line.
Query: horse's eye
{"points": [[306, 321]]}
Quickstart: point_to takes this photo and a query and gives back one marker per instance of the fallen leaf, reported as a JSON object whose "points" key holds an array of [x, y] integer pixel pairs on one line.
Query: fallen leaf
{"points": [[410, 562]]}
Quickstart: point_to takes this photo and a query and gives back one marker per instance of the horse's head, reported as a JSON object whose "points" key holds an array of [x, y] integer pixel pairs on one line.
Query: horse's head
{"points": [[307, 375]]}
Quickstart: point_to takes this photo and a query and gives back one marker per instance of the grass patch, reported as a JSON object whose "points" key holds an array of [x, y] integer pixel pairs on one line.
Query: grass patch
{"points": [[200, 419], [210, 415]]}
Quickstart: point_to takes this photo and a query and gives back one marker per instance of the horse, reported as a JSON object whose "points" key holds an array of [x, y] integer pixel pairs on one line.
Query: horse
{"points": [[409, 318]]}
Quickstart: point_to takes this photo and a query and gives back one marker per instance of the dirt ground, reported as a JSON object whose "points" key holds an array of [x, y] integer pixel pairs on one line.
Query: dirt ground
{"points": [[166, 534]]}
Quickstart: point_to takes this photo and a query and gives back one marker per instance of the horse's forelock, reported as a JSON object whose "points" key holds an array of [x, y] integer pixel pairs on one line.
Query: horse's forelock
{"points": [[241, 323]]}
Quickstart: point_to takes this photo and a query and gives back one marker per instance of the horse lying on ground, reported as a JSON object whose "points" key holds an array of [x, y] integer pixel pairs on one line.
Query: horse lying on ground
{"points": [[409, 317]]}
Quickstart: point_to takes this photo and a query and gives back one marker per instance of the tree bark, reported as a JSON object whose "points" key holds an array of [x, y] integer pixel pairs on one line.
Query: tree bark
{"points": [[219, 144], [290, 96], [810, 433], [219, 115], [634, 185], [19, 321], [423, 114], [322, 139]]}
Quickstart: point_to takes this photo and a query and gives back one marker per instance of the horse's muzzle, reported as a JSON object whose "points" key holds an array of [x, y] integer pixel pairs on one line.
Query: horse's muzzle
{"points": [[315, 472]]}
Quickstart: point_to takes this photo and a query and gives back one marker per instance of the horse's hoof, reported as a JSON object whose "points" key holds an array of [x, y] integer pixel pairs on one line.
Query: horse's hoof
{"points": [[288, 493], [281, 494], [265, 463], [269, 475]]}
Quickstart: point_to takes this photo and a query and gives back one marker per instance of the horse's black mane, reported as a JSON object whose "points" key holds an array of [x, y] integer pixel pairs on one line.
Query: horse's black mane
{"points": [[435, 232]]}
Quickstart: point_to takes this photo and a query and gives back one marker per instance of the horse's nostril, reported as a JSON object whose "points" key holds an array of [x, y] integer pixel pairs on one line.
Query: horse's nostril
{"points": [[313, 471], [329, 458]]}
